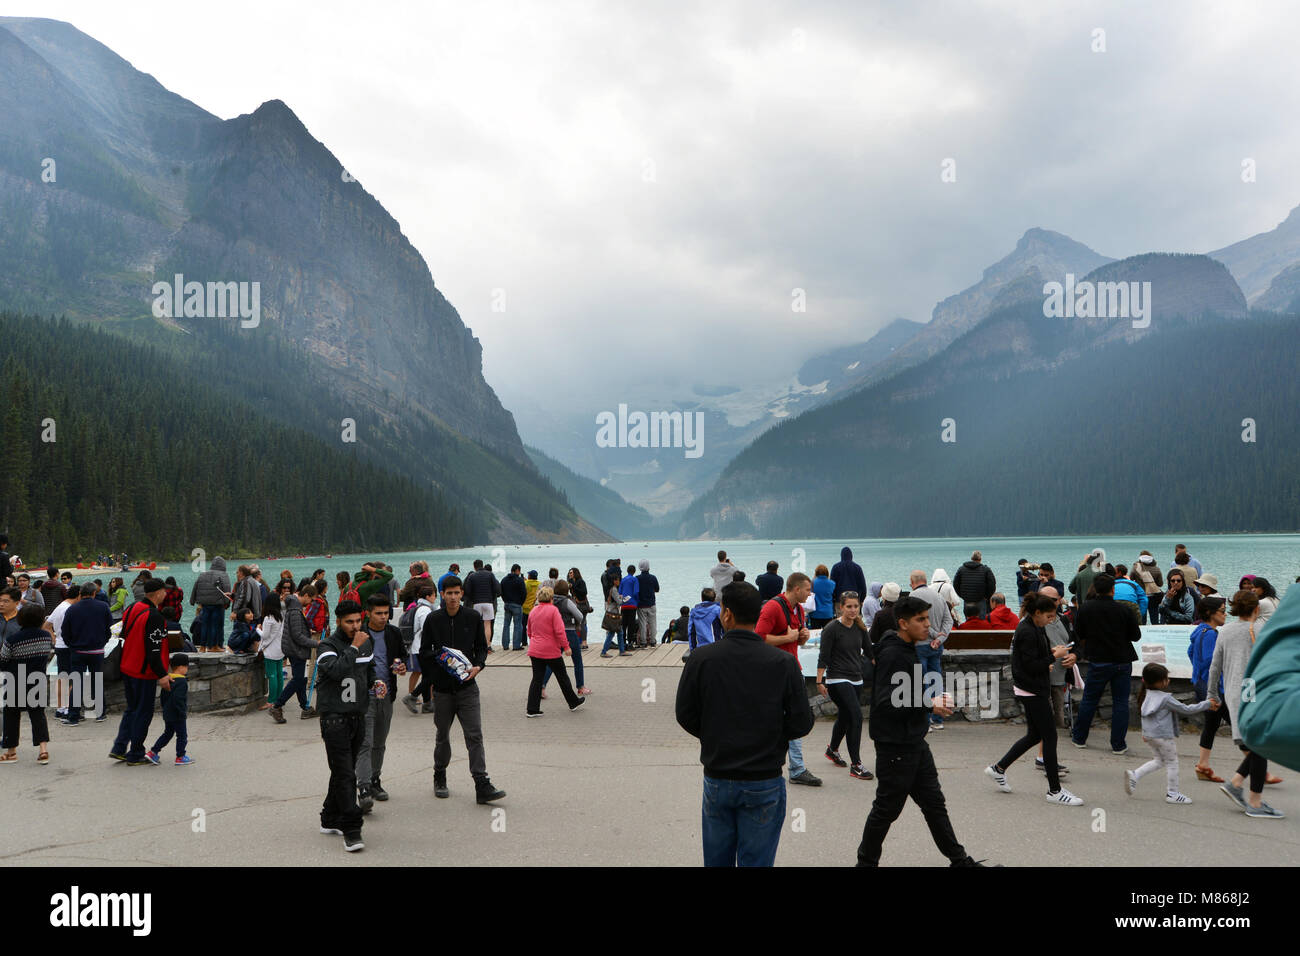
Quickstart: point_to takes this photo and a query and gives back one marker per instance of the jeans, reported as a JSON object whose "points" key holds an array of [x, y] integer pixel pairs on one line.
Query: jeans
{"points": [[848, 719], [795, 752], [903, 773], [461, 704], [741, 821], [556, 665], [170, 727], [297, 684], [931, 662], [1040, 726], [342, 734], [609, 639], [370, 758], [1119, 678], [212, 623], [139, 714], [512, 613], [575, 645], [84, 690]]}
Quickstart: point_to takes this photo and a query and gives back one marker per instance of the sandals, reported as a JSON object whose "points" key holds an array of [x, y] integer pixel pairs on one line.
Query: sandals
{"points": [[1272, 779], [1205, 773], [8, 758], [44, 757]]}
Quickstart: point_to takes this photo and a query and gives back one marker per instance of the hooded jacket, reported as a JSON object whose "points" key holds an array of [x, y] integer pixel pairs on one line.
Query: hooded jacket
{"points": [[212, 586], [1081, 583], [722, 574], [1160, 710], [1131, 593], [344, 675], [871, 603], [943, 587], [248, 593], [898, 717], [296, 640], [1270, 723], [847, 575], [513, 589], [974, 582], [705, 623]]}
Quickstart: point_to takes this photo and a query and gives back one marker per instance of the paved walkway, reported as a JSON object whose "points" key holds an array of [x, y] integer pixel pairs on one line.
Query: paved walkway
{"points": [[616, 782]]}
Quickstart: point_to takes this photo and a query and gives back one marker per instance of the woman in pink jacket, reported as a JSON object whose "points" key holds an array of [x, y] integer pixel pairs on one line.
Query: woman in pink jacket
{"points": [[547, 647]]}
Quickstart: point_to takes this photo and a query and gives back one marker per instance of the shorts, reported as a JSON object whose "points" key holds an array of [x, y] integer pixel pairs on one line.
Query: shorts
{"points": [[413, 664], [486, 611]]}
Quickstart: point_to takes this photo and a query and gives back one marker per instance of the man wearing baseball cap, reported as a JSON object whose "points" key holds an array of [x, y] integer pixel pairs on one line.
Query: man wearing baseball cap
{"points": [[144, 667]]}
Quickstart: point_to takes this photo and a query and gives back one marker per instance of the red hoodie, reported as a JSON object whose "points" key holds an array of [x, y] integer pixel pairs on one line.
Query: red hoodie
{"points": [[1003, 618], [144, 642]]}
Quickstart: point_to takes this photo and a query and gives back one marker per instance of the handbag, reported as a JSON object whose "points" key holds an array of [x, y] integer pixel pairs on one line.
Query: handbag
{"points": [[612, 622]]}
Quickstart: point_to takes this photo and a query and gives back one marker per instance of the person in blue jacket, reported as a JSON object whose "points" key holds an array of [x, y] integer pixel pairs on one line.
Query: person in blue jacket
{"points": [[630, 591], [824, 593], [1200, 648]]}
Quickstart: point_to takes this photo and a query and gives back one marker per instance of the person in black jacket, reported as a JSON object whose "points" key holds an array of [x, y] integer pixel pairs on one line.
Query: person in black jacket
{"points": [[974, 583], [513, 594], [388, 650], [900, 717], [1032, 657], [456, 626], [770, 584], [481, 590], [842, 660], [1105, 634], [745, 701], [86, 630], [345, 674]]}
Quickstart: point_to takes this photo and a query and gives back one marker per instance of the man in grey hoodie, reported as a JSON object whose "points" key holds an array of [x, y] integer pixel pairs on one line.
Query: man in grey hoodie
{"points": [[722, 573], [211, 592]]}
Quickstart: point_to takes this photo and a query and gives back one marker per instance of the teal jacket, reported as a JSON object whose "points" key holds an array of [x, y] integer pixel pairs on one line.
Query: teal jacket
{"points": [[1270, 723]]}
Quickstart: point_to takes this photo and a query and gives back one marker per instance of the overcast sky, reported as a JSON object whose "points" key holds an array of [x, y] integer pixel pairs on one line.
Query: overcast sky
{"points": [[657, 178]]}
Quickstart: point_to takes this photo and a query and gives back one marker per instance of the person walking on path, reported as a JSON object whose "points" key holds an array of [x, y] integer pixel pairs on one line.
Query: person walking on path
{"points": [[144, 668], [175, 704], [345, 674], [847, 575], [744, 700], [975, 583], [386, 648], [1160, 713], [1231, 656], [458, 630], [298, 646], [1032, 657], [842, 661], [1105, 635], [1200, 649], [898, 722], [1272, 721], [573, 622], [781, 623], [548, 645]]}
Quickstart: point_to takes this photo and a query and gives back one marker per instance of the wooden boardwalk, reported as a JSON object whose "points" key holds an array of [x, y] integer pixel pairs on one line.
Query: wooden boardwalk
{"points": [[663, 655]]}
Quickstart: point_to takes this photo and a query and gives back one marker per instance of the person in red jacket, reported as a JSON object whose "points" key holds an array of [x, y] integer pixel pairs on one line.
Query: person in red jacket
{"points": [[973, 620], [1002, 618], [144, 667]]}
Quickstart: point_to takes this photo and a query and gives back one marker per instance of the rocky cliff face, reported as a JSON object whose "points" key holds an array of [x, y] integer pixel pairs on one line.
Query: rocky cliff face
{"points": [[149, 185], [1256, 261]]}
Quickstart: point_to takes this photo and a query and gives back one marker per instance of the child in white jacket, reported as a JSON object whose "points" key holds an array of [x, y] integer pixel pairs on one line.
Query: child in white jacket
{"points": [[1160, 711]]}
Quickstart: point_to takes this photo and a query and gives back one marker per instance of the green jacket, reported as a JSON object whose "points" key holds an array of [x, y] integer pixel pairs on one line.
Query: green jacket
{"points": [[343, 675], [376, 582], [1270, 722]]}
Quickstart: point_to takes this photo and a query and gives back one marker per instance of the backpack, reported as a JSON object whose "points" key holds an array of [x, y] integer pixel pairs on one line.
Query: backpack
{"points": [[406, 627]]}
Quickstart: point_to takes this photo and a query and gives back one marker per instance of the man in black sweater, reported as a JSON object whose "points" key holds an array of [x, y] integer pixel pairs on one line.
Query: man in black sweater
{"points": [[459, 628], [745, 700], [1105, 634], [900, 715]]}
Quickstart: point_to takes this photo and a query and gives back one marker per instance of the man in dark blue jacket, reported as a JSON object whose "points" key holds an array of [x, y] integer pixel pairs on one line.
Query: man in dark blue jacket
{"points": [[646, 614], [847, 575], [770, 584], [514, 592], [86, 630]]}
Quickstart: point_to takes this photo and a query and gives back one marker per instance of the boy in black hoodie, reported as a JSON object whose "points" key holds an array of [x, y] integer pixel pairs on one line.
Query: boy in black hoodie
{"points": [[898, 724]]}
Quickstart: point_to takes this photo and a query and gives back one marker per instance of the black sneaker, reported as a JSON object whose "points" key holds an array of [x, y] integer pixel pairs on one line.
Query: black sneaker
{"points": [[352, 841], [101, 718], [331, 830], [378, 792], [440, 785], [861, 772], [581, 701], [835, 758], [307, 714], [365, 801], [970, 862], [808, 779], [427, 708], [484, 792], [1061, 769], [142, 762], [117, 756], [412, 703]]}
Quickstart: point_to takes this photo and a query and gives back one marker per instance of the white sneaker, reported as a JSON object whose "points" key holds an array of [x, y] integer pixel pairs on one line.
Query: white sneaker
{"points": [[1065, 798], [999, 778], [1177, 798], [1130, 782]]}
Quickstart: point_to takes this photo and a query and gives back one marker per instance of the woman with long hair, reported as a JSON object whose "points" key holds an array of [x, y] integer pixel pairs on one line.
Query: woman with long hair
{"points": [[823, 592], [1200, 648], [1231, 654], [1178, 606], [1267, 595], [118, 598], [842, 664], [578, 593], [268, 636]]}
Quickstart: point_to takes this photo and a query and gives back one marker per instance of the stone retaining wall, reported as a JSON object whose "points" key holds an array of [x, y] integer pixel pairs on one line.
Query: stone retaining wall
{"points": [[234, 683]]}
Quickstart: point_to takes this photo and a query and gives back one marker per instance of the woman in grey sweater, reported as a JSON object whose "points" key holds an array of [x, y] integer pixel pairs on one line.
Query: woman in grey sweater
{"points": [[1231, 654]]}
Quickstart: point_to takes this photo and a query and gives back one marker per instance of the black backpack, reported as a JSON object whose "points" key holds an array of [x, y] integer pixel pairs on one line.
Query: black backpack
{"points": [[406, 627]]}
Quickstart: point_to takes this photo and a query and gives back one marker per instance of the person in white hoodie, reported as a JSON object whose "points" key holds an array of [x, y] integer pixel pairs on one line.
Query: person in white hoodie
{"points": [[423, 606], [942, 584], [1160, 712]]}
